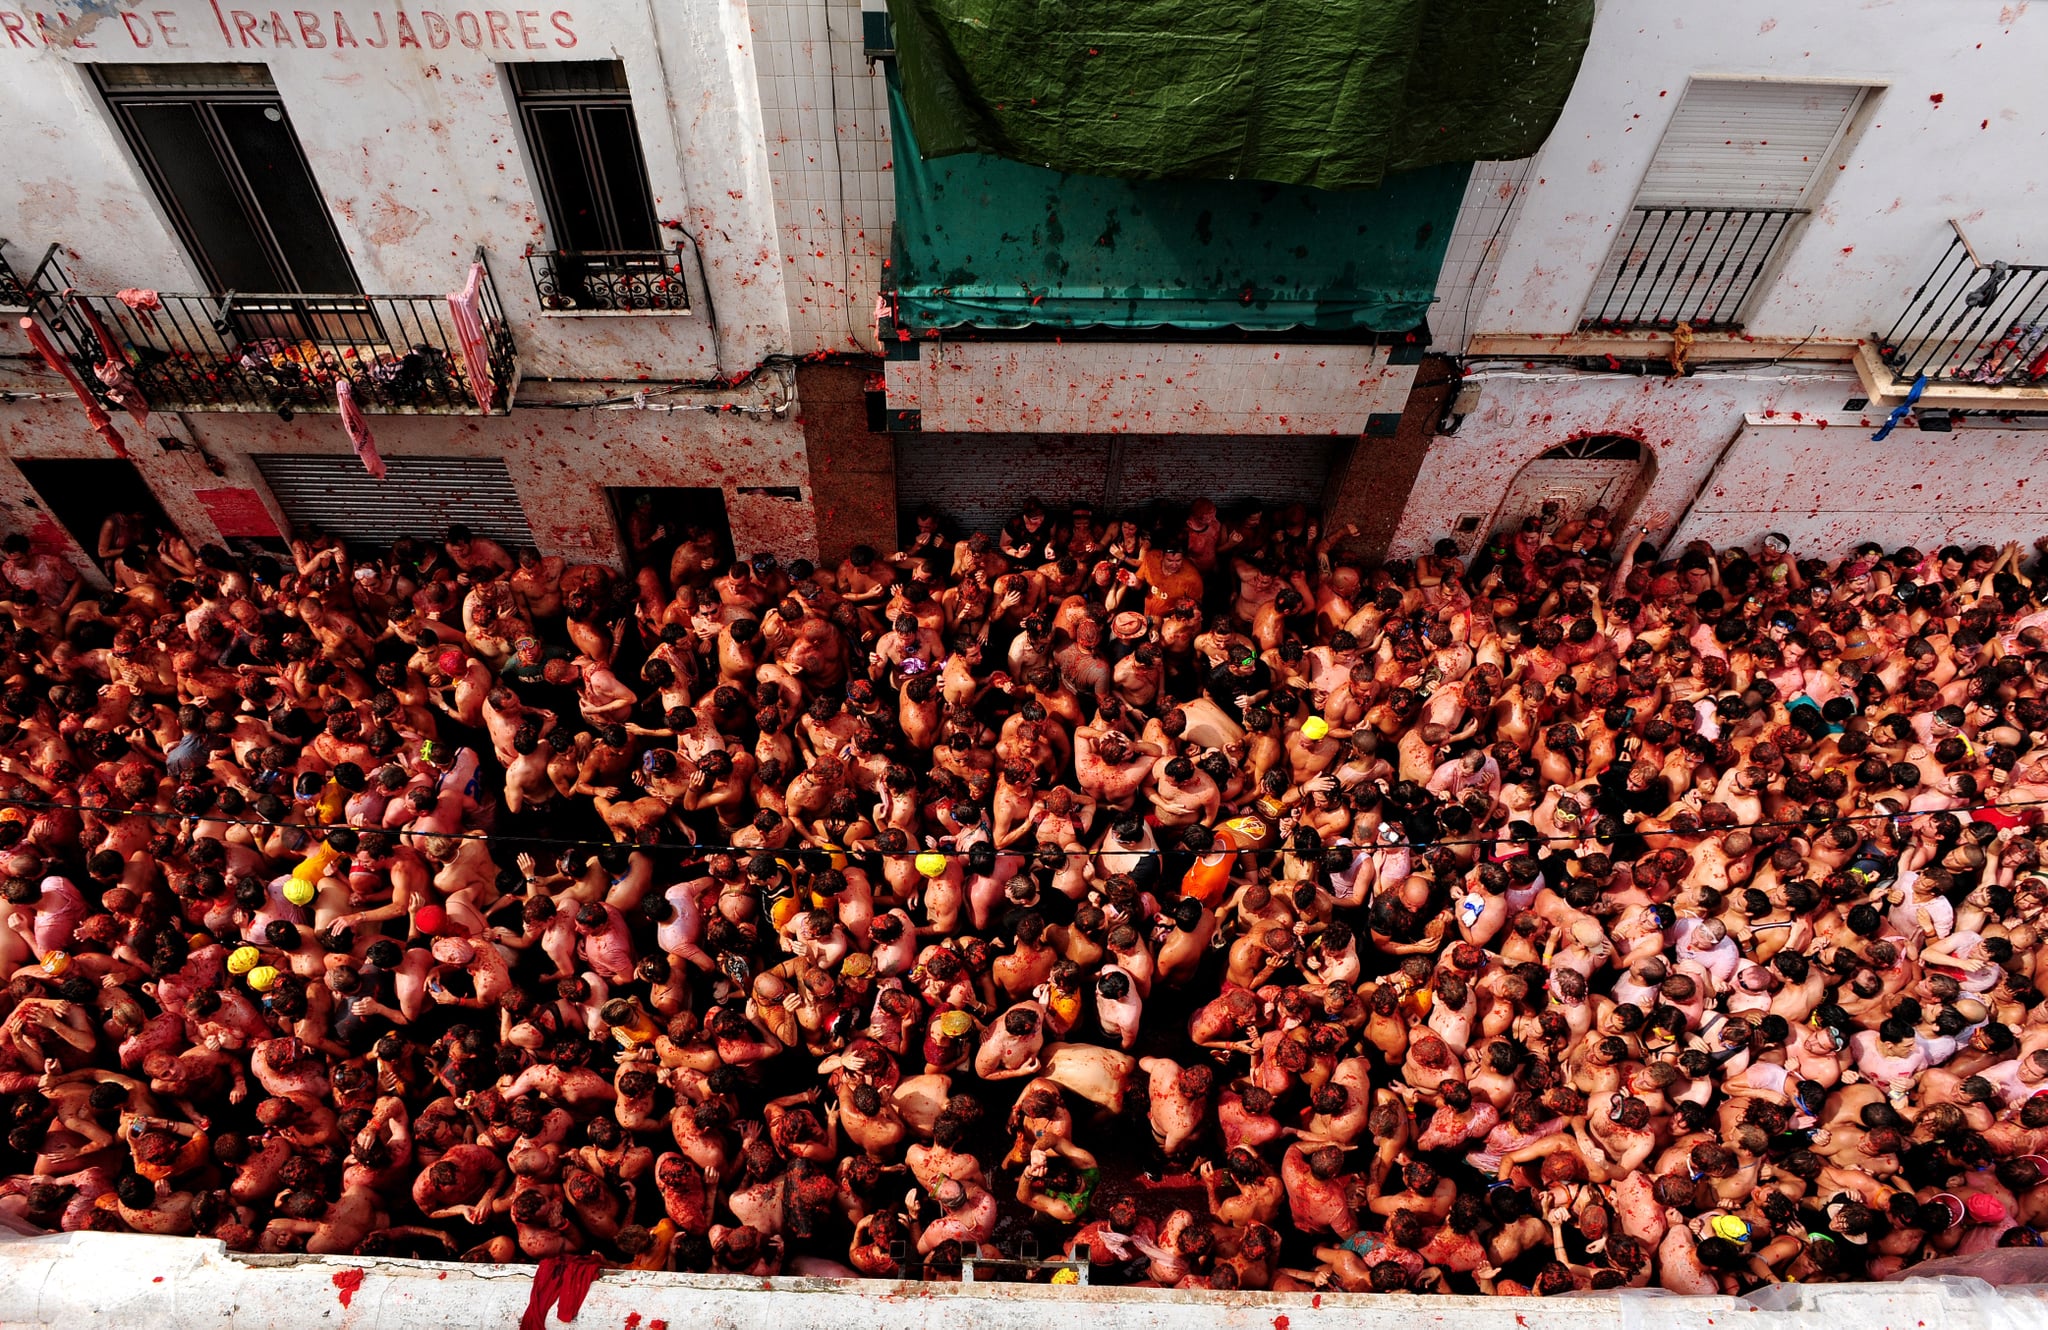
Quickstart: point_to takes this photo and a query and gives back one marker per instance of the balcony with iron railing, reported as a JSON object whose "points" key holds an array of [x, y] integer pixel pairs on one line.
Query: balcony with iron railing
{"points": [[1976, 332], [287, 352], [610, 281], [13, 290], [1677, 264], [21, 288]]}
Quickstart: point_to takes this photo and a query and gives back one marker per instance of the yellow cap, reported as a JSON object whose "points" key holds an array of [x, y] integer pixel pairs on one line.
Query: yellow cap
{"points": [[1731, 1227], [1066, 1277], [55, 962], [955, 1023], [263, 978], [299, 891], [931, 863], [243, 959], [1315, 727]]}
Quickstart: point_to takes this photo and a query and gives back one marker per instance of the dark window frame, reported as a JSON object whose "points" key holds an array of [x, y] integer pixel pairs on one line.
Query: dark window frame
{"points": [[124, 99], [583, 88]]}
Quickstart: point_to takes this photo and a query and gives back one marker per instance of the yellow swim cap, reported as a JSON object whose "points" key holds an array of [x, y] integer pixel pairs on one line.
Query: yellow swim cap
{"points": [[1315, 727], [299, 891], [931, 863], [1731, 1227], [243, 959], [263, 978], [55, 962], [955, 1023]]}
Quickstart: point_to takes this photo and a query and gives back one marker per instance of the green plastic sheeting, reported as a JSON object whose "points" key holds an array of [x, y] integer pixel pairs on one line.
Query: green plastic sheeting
{"points": [[994, 243], [1330, 93]]}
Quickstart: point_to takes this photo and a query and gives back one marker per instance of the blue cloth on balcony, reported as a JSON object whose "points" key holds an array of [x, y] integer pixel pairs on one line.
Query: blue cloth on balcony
{"points": [[1891, 422]]}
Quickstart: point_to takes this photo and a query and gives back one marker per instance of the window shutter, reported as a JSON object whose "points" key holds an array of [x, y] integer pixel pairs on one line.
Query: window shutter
{"points": [[1737, 143], [1731, 177]]}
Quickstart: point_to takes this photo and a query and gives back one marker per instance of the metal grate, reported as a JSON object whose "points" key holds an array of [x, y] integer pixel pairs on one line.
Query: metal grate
{"points": [[419, 496], [1687, 265], [1973, 322], [613, 281]]}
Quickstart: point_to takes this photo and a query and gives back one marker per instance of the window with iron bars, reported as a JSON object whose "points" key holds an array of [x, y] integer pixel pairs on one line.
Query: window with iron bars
{"points": [[1738, 165], [591, 175]]}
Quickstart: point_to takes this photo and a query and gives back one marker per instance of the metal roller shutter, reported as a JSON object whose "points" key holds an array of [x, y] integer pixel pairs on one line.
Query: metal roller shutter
{"points": [[1229, 469], [980, 480], [1736, 143], [419, 496], [1692, 246]]}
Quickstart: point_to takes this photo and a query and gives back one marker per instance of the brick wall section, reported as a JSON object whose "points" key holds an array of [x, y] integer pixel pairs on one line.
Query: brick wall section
{"points": [[853, 470], [1373, 486]]}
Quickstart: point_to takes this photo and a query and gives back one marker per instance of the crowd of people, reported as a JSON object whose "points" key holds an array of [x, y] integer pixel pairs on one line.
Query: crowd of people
{"points": [[1176, 895]]}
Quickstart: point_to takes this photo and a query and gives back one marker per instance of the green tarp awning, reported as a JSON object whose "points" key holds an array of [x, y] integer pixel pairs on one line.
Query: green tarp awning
{"points": [[994, 243], [1335, 94]]}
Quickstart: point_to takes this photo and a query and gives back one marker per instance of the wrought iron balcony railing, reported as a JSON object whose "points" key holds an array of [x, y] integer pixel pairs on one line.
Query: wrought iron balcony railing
{"points": [[19, 289], [285, 352], [610, 281], [13, 291], [1695, 266], [1973, 323]]}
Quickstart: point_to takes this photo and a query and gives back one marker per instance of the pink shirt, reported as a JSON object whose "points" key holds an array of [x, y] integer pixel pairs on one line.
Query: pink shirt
{"points": [[1882, 1070], [57, 914]]}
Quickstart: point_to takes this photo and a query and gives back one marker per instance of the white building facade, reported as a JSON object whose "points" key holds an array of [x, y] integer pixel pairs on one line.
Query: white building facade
{"points": [[684, 208], [674, 204], [1822, 191]]}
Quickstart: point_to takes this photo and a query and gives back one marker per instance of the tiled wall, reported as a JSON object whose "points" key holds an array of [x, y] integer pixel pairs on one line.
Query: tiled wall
{"points": [[1147, 388], [1491, 196], [826, 116]]}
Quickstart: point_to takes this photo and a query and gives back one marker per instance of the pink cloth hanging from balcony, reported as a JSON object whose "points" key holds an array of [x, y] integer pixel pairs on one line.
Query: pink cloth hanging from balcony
{"points": [[113, 371], [466, 312], [357, 426], [142, 303], [102, 424]]}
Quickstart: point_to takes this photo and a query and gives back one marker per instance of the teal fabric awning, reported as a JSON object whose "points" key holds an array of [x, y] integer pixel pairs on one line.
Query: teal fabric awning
{"points": [[994, 243]]}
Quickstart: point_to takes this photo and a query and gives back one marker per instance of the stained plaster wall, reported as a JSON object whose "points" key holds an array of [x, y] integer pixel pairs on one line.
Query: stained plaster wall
{"points": [[1147, 388], [1958, 130], [1804, 463], [416, 151], [561, 462], [1973, 486]]}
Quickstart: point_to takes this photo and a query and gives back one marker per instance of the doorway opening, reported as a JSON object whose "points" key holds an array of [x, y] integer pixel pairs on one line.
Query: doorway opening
{"points": [[83, 493], [1566, 482], [656, 520]]}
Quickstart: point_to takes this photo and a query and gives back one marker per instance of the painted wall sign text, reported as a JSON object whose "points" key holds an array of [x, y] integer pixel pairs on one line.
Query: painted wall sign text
{"points": [[295, 29]]}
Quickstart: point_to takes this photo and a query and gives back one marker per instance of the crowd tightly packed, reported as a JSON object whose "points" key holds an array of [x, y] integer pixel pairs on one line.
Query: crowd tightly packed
{"points": [[1178, 896]]}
